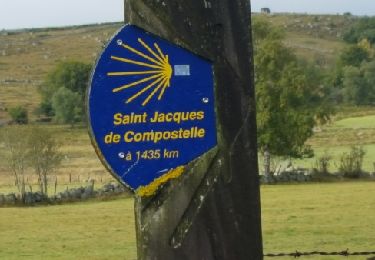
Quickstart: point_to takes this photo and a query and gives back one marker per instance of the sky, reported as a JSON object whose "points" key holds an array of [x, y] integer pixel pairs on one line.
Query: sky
{"points": [[16, 14], [356, 7]]}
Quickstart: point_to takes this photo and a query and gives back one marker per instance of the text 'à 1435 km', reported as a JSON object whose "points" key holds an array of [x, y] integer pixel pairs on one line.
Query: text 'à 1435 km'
{"points": [[149, 155]]}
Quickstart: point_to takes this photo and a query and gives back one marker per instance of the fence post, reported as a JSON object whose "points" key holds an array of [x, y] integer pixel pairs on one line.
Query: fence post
{"points": [[213, 211]]}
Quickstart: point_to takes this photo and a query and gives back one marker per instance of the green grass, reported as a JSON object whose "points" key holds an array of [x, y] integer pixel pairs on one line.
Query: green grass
{"points": [[101, 230], [305, 217], [328, 217], [356, 122]]}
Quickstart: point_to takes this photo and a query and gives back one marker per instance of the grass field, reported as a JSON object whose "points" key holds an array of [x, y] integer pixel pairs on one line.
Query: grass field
{"points": [[327, 217], [94, 230], [304, 217]]}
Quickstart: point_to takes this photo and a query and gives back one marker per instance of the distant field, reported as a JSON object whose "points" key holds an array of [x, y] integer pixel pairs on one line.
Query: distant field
{"points": [[294, 217], [364, 122], [336, 152], [81, 163], [335, 139], [323, 52], [331, 27]]}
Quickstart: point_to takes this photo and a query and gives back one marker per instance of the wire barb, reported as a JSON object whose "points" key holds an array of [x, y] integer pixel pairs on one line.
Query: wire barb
{"points": [[298, 254]]}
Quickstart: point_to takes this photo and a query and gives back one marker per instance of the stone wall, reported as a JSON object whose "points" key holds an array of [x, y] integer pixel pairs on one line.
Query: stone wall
{"points": [[288, 176], [69, 195], [305, 175]]}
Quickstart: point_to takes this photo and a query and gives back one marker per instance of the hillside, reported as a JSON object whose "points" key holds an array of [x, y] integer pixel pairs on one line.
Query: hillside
{"points": [[27, 56], [317, 38]]}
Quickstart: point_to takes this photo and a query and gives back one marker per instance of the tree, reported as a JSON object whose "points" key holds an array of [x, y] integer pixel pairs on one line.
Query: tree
{"points": [[368, 70], [359, 84], [67, 106], [14, 140], [354, 56], [19, 115], [354, 85], [290, 97], [33, 147], [72, 76], [43, 155]]}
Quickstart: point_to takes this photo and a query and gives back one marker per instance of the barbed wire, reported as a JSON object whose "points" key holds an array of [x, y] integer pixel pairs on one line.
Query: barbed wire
{"points": [[297, 254]]}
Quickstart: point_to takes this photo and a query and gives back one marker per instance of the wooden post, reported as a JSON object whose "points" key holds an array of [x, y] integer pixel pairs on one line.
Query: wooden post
{"points": [[213, 210]]}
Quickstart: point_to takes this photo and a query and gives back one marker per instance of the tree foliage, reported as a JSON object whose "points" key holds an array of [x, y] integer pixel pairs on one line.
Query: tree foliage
{"points": [[290, 96], [359, 84], [363, 28], [72, 76], [67, 106], [354, 56]]}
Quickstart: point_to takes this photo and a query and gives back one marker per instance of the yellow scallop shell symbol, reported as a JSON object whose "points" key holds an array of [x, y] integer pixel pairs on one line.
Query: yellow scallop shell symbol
{"points": [[157, 75]]}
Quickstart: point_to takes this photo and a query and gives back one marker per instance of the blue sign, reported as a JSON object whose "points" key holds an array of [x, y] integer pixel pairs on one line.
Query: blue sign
{"points": [[151, 107]]}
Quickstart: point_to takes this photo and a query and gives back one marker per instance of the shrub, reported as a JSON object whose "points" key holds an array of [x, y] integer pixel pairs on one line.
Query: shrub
{"points": [[351, 163], [323, 163], [19, 115]]}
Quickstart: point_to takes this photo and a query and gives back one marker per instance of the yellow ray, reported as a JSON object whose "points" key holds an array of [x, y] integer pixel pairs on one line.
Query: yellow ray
{"points": [[141, 54], [136, 83], [159, 50], [125, 73], [150, 50], [136, 62], [166, 59], [145, 89], [154, 91], [162, 91]]}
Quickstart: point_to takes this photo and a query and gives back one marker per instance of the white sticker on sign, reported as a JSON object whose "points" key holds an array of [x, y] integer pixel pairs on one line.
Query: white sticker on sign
{"points": [[182, 70]]}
